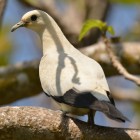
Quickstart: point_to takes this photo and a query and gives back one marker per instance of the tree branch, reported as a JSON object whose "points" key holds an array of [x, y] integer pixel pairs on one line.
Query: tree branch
{"points": [[125, 94], [2, 7], [116, 63], [32, 123], [19, 81], [127, 53]]}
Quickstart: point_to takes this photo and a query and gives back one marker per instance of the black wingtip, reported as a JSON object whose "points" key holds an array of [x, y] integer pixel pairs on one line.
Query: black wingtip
{"points": [[126, 119], [118, 118], [109, 110]]}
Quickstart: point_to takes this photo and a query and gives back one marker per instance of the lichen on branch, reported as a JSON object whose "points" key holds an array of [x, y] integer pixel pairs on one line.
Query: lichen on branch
{"points": [[34, 123]]}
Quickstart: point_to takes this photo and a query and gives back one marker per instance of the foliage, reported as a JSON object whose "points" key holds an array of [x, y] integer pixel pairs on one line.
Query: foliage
{"points": [[5, 47], [126, 1], [89, 24]]}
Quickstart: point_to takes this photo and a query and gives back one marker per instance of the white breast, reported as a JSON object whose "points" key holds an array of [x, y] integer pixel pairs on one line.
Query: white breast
{"points": [[59, 74]]}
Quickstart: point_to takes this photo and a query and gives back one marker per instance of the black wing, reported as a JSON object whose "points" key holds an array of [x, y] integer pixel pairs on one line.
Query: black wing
{"points": [[73, 98], [87, 100]]}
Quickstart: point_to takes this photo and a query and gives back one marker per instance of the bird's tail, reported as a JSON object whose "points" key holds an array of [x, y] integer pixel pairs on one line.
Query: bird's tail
{"points": [[109, 110]]}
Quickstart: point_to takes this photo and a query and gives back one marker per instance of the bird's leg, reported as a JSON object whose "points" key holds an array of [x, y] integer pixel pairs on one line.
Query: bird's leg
{"points": [[91, 115], [64, 121], [64, 114]]}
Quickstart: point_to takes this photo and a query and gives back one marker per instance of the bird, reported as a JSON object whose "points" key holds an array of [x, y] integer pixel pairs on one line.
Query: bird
{"points": [[75, 81]]}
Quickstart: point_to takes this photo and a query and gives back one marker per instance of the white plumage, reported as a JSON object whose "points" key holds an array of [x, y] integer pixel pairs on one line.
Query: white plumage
{"points": [[63, 68]]}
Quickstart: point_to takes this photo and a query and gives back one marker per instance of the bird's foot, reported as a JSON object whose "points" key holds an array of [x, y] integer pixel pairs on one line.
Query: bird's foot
{"points": [[64, 114]]}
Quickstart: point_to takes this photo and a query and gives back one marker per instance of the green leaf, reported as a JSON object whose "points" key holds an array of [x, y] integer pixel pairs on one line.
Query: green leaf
{"points": [[89, 24], [110, 30]]}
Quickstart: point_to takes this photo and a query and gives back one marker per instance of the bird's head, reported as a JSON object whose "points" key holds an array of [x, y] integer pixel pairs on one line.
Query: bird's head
{"points": [[34, 20]]}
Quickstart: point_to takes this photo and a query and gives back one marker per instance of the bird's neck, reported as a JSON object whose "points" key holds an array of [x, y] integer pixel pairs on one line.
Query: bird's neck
{"points": [[53, 40]]}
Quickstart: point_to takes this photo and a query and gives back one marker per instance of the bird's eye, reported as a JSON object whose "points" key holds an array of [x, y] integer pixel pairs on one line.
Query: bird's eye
{"points": [[33, 17]]}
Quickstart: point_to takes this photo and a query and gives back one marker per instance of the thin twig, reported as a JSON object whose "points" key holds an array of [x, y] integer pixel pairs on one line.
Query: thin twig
{"points": [[116, 63]]}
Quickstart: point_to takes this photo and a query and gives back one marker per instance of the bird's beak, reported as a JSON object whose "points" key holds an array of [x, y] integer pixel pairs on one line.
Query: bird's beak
{"points": [[19, 24]]}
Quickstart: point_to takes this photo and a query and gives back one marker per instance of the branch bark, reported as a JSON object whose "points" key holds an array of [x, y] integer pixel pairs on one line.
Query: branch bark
{"points": [[2, 7], [121, 94], [19, 81], [127, 53], [32, 123]]}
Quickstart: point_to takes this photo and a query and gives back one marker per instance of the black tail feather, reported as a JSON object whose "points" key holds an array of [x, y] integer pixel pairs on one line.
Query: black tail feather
{"points": [[109, 110], [87, 100]]}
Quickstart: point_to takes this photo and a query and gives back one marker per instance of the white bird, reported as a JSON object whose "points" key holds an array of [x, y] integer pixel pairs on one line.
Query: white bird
{"points": [[72, 79]]}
